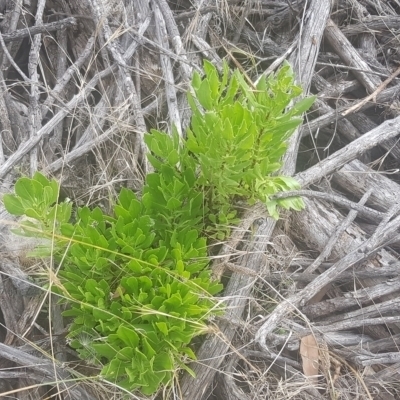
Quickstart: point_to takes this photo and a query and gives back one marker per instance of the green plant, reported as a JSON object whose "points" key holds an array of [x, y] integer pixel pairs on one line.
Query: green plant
{"points": [[138, 281], [239, 134]]}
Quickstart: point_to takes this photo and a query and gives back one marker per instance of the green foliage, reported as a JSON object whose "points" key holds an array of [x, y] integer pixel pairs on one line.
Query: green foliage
{"points": [[36, 199], [138, 281], [234, 145]]}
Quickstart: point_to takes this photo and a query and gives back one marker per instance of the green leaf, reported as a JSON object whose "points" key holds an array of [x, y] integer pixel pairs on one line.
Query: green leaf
{"points": [[64, 211], [128, 336], [189, 352], [212, 78], [173, 157], [24, 189], [31, 213], [163, 362], [104, 350], [196, 80], [173, 204], [84, 215], [39, 177], [41, 251], [295, 203], [13, 204], [49, 196], [271, 207], [126, 354], [163, 327], [204, 95], [126, 197], [37, 190], [303, 105]]}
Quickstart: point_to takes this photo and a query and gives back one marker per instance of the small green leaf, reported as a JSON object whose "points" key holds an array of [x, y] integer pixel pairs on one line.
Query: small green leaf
{"points": [[303, 105], [126, 354], [162, 326], [173, 204], [196, 80], [271, 207]]}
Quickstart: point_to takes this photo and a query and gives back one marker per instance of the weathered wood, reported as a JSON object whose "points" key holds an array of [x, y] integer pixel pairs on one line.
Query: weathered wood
{"points": [[386, 96], [334, 237], [37, 29], [365, 212], [356, 177], [349, 55], [386, 231], [374, 23], [166, 66], [352, 299], [390, 307], [368, 272], [213, 351], [303, 62], [355, 124], [227, 389], [47, 369], [385, 131]]}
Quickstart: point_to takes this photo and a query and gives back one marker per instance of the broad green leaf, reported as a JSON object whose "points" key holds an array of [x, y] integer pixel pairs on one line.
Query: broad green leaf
{"points": [[126, 354], [128, 336], [39, 177], [24, 189], [163, 362], [50, 197], [173, 204], [13, 204], [213, 79], [271, 207], [31, 213], [196, 80], [204, 95], [84, 214], [126, 197], [64, 211], [37, 191], [163, 327], [104, 350]]}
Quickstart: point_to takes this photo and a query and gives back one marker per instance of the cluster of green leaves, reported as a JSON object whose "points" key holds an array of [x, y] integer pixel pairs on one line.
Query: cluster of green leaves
{"points": [[37, 199], [238, 135], [138, 281]]}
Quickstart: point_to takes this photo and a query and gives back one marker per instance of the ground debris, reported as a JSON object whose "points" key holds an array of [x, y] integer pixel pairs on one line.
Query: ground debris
{"points": [[83, 80]]}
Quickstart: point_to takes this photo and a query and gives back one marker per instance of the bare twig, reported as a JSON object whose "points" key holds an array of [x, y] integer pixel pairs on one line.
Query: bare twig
{"points": [[373, 95], [166, 66], [361, 209], [38, 29], [333, 239], [386, 130], [34, 108]]}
